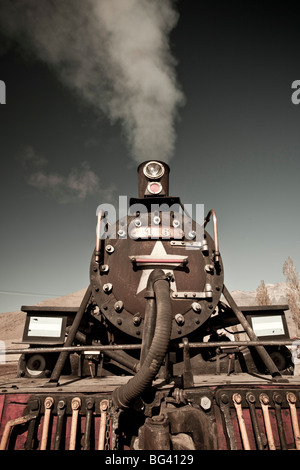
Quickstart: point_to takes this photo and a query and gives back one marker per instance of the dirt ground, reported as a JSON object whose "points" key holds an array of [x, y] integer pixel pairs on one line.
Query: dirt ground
{"points": [[8, 370]]}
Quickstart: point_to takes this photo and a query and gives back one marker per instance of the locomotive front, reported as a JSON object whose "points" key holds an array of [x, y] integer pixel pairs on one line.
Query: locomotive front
{"points": [[157, 234], [147, 361]]}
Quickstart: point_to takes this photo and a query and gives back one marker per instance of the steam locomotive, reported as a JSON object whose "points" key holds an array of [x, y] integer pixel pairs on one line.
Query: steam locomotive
{"points": [[154, 357]]}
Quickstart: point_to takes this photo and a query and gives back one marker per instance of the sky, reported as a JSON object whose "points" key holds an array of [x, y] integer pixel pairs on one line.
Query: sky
{"points": [[229, 130]]}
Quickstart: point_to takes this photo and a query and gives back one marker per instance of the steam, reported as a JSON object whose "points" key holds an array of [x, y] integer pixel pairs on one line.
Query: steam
{"points": [[71, 188], [115, 54]]}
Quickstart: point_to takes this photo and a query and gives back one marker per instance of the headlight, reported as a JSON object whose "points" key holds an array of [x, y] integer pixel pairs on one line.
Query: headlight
{"points": [[153, 170]]}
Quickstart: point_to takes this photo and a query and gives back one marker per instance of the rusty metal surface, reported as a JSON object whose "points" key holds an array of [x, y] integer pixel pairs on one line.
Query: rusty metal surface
{"points": [[124, 283]]}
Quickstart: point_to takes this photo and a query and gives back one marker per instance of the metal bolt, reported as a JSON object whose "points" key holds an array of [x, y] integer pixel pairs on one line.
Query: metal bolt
{"points": [[224, 398], [196, 307], [136, 320], [205, 403], [250, 397], [119, 306], [107, 288], [76, 402], [61, 404], [291, 397], [209, 268], [104, 268], [179, 319], [277, 398], [121, 233], [192, 235], [264, 398], [110, 249], [49, 402], [104, 405], [237, 398], [89, 404]]}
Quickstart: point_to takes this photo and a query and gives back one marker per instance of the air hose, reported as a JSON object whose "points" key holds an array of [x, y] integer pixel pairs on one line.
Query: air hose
{"points": [[125, 394]]}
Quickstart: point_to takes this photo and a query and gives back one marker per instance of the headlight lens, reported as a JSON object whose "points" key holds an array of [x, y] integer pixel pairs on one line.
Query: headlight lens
{"points": [[153, 170]]}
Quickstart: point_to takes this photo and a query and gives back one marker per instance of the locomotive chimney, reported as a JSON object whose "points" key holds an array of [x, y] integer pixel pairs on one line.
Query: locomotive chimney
{"points": [[153, 179]]}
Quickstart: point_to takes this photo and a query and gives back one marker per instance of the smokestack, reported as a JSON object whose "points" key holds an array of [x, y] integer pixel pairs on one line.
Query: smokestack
{"points": [[153, 179]]}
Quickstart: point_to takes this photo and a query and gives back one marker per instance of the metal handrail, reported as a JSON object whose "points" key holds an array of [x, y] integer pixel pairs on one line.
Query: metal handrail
{"points": [[112, 347]]}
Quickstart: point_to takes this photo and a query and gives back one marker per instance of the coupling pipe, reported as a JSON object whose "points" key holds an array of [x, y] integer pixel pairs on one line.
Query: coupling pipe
{"points": [[125, 394]]}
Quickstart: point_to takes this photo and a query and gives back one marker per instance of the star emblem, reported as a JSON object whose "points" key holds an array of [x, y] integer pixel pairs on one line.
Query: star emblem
{"points": [[157, 259]]}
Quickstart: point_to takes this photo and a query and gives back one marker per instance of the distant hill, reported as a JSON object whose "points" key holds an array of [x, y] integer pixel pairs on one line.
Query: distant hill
{"points": [[12, 323], [277, 294]]}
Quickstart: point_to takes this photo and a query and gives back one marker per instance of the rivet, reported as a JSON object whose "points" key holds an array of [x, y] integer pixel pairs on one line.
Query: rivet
{"points": [[110, 249]]}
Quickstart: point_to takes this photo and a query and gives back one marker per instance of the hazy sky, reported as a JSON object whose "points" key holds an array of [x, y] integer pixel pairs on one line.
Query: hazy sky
{"points": [[236, 146]]}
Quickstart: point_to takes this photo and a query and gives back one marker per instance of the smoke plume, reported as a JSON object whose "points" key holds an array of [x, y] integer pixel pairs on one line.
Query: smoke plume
{"points": [[115, 54]]}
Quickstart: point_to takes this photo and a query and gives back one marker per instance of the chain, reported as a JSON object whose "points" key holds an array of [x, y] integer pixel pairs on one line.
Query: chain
{"points": [[107, 433]]}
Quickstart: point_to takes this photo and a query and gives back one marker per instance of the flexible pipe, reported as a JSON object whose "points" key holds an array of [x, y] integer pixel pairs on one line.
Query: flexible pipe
{"points": [[124, 395]]}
